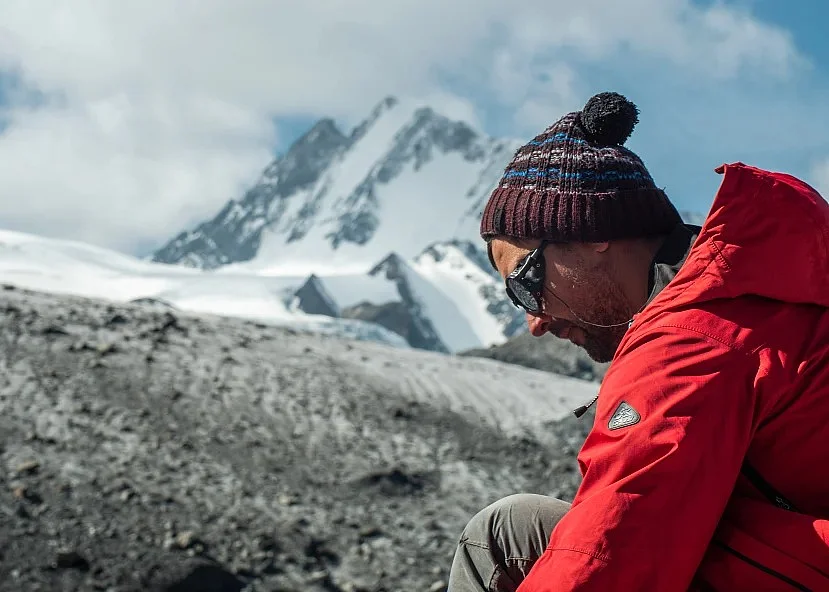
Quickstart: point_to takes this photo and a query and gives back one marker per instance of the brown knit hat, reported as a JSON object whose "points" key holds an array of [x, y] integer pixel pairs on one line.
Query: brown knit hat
{"points": [[576, 182]]}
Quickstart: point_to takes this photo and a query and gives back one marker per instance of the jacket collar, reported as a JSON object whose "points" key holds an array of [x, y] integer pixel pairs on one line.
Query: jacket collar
{"points": [[670, 257]]}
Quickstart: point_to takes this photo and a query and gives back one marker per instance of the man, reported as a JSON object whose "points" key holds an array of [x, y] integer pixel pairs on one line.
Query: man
{"points": [[707, 467]]}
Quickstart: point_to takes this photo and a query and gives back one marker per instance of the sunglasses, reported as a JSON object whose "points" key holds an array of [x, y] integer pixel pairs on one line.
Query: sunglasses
{"points": [[525, 285]]}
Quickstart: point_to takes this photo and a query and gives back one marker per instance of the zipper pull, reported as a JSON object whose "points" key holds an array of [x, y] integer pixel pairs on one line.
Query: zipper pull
{"points": [[579, 411]]}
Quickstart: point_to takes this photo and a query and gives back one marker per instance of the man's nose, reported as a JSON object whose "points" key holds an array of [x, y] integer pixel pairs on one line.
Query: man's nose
{"points": [[538, 324]]}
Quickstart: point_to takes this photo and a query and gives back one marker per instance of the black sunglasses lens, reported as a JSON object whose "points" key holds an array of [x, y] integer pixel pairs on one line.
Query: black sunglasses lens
{"points": [[524, 297], [524, 284]]}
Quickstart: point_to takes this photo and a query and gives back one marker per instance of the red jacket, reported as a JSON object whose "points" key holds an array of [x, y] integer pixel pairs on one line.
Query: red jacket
{"points": [[729, 362]]}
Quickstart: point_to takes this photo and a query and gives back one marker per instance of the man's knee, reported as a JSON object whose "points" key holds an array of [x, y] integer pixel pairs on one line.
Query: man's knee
{"points": [[515, 520], [501, 543]]}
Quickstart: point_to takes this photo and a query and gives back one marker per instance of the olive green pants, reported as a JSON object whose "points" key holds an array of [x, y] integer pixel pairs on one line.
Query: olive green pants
{"points": [[501, 543]]}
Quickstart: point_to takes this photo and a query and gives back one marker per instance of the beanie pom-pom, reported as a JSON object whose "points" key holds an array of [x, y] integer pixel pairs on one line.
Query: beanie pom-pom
{"points": [[609, 118]]}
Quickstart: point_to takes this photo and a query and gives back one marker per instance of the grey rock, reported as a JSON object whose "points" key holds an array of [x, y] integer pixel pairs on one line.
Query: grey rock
{"points": [[422, 333], [548, 353], [70, 559], [394, 316], [313, 298]]}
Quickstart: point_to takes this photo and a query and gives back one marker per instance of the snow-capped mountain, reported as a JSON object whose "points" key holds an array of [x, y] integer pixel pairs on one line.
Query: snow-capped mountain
{"points": [[397, 200], [403, 179]]}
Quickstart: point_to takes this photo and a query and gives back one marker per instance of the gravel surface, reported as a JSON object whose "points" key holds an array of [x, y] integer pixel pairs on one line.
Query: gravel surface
{"points": [[148, 450]]}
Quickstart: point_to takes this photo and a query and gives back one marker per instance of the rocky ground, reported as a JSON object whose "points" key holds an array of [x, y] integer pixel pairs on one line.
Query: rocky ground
{"points": [[143, 449], [547, 353]]}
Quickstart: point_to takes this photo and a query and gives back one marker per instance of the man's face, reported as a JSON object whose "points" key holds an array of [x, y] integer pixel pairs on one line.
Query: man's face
{"points": [[577, 288]]}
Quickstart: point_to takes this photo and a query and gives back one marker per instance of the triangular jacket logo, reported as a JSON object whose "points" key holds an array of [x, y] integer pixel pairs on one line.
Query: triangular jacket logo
{"points": [[624, 416]]}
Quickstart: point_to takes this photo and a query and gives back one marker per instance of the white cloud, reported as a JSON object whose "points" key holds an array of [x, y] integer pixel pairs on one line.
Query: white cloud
{"points": [[158, 111], [124, 171]]}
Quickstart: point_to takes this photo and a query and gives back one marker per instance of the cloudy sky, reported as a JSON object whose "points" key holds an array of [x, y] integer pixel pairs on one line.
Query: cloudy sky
{"points": [[123, 122]]}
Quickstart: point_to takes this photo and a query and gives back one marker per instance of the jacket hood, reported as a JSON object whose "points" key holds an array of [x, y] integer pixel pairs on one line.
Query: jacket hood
{"points": [[766, 235]]}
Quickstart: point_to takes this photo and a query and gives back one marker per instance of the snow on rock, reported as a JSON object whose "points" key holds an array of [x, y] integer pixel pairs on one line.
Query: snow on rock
{"points": [[457, 269], [452, 326], [440, 325], [348, 290], [450, 296], [70, 267]]}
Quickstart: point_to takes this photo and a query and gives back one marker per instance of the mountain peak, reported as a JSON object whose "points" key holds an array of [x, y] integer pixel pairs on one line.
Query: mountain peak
{"points": [[388, 102], [384, 106], [405, 177], [439, 251], [313, 298], [309, 155], [391, 265], [324, 130]]}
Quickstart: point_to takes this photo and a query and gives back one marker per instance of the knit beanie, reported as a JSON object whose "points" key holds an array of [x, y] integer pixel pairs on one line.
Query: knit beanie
{"points": [[577, 182]]}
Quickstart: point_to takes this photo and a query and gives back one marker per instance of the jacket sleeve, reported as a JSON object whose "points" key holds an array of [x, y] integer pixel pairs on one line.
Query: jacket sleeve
{"points": [[657, 477]]}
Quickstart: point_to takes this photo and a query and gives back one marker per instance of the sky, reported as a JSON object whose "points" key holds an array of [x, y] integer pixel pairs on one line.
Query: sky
{"points": [[124, 123]]}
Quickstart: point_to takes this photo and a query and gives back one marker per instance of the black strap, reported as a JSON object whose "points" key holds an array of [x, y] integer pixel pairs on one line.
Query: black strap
{"points": [[777, 498]]}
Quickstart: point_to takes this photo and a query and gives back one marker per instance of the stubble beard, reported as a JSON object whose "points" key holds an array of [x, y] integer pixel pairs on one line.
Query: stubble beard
{"points": [[607, 306], [601, 344]]}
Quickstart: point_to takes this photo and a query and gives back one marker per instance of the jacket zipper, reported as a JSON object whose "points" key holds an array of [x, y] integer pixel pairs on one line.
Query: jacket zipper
{"points": [[763, 568]]}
